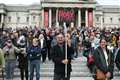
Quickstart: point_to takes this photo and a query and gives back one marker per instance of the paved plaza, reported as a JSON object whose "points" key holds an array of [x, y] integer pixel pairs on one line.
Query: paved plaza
{"points": [[72, 78]]}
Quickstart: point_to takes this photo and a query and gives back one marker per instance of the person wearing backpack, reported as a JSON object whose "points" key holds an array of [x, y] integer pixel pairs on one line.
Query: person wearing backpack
{"points": [[88, 53], [22, 57]]}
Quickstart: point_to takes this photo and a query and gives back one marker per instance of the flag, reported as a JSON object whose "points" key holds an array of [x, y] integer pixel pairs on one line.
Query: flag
{"points": [[65, 28]]}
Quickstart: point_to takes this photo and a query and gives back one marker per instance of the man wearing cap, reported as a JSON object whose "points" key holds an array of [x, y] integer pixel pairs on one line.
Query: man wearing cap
{"points": [[10, 57]]}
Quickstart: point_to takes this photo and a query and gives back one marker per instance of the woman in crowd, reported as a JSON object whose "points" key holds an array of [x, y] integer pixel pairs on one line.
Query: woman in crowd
{"points": [[43, 46], [104, 62]]}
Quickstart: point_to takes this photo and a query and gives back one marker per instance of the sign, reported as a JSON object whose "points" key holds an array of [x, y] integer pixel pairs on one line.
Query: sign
{"points": [[65, 15]]}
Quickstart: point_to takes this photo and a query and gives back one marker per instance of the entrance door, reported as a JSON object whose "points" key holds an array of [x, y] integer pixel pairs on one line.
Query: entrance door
{"points": [[0, 18], [83, 17]]}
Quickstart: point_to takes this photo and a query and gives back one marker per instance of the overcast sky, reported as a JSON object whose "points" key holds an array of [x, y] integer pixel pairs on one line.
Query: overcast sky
{"points": [[104, 2]]}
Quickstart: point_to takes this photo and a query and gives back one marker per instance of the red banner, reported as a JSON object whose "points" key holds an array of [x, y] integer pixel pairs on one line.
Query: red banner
{"points": [[46, 19], [90, 18], [66, 15]]}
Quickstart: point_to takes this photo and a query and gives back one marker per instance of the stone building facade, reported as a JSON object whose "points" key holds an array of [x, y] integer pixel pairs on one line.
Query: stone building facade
{"points": [[51, 13]]}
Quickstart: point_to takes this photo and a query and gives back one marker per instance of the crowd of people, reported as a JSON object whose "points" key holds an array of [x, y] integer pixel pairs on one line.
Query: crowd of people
{"points": [[31, 47]]}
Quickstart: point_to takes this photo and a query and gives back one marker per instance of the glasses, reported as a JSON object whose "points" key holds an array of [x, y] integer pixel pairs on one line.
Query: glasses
{"points": [[9, 41], [59, 37], [103, 42]]}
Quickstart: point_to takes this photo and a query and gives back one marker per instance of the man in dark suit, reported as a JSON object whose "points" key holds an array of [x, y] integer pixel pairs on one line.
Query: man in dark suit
{"points": [[104, 60], [58, 57]]}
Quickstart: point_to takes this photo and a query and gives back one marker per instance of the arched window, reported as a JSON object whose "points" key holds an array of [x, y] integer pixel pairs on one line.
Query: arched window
{"points": [[103, 20], [111, 19], [27, 19], [97, 18], [119, 20], [34, 18], [18, 19]]}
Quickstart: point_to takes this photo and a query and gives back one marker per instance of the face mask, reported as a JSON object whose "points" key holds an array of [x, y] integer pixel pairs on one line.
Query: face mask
{"points": [[53, 34], [87, 38], [9, 45], [97, 35]]}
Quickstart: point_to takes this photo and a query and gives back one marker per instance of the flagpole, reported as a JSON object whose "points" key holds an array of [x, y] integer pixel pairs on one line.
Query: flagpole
{"points": [[65, 32], [66, 58]]}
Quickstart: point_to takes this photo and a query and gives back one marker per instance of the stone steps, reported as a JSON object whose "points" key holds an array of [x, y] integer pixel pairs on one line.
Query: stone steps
{"points": [[78, 65]]}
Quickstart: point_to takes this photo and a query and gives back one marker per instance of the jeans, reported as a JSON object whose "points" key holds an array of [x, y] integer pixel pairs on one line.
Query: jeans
{"points": [[9, 69], [35, 65]]}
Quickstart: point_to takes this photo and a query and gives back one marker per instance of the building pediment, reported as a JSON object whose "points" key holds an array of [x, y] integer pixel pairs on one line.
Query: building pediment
{"points": [[68, 0], [2, 8], [69, 3]]}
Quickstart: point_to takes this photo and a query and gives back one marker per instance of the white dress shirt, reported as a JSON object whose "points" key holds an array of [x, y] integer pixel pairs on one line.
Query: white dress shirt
{"points": [[41, 41], [106, 56]]}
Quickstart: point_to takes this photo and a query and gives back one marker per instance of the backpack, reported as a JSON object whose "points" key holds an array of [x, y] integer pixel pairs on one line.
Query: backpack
{"points": [[90, 59]]}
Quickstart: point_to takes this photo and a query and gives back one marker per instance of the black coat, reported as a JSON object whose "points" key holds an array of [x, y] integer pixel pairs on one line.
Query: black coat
{"points": [[44, 49], [58, 55], [117, 60], [23, 61], [100, 61]]}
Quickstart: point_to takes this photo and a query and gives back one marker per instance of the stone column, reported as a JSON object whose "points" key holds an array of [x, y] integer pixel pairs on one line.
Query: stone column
{"points": [[42, 18], [101, 22], [94, 18], [1, 21], [50, 18], [86, 18], [79, 18], [2, 18], [30, 20], [57, 23]]}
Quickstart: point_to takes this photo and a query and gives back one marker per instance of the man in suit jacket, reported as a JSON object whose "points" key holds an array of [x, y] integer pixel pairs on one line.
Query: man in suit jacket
{"points": [[58, 57], [104, 59]]}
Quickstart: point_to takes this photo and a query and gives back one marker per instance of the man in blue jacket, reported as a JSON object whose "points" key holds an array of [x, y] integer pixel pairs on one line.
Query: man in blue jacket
{"points": [[34, 54]]}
